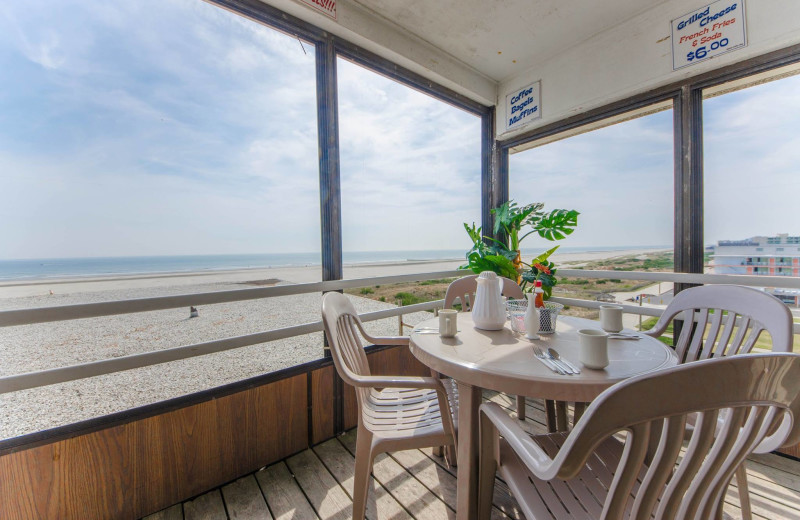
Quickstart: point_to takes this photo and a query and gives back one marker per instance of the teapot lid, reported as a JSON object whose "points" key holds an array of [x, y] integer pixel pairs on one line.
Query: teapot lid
{"points": [[488, 275]]}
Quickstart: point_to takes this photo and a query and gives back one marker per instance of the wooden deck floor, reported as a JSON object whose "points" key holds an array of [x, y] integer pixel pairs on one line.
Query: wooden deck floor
{"points": [[415, 484]]}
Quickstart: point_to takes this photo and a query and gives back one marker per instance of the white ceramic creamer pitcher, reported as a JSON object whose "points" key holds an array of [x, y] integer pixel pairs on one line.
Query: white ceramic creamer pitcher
{"points": [[488, 311]]}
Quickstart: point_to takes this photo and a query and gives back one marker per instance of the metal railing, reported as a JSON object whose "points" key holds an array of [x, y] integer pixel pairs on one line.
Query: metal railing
{"points": [[91, 310]]}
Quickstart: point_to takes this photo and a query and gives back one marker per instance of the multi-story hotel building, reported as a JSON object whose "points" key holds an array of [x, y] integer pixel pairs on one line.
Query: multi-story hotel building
{"points": [[773, 256]]}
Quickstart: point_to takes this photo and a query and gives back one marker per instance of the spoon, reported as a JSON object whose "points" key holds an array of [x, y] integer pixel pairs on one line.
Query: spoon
{"points": [[555, 355]]}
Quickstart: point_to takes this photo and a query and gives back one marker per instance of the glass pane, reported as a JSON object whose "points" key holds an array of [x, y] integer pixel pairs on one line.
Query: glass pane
{"points": [[411, 172]]}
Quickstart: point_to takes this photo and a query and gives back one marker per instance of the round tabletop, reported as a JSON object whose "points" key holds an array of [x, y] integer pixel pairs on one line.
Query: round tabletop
{"points": [[504, 361]]}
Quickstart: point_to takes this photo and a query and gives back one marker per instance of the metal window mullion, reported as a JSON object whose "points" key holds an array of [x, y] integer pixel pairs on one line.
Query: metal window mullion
{"points": [[688, 129], [330, 192], [494, 173]]}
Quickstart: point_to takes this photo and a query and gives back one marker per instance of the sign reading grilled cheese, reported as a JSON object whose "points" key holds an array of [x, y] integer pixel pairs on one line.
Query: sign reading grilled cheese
{"points": [[707, 32], [324, 6], [522, 106]]}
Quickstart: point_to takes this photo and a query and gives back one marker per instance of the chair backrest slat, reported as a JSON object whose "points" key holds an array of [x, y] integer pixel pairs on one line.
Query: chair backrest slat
{"points": [[711, 335], [755, 332], [660, 470], [727, 333], [699, 444], [724, 442], [625, 477], [700, 319]]}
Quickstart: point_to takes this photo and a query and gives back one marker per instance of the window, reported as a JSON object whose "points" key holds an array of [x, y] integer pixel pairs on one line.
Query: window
{"points": [[620, 178], [410, 168], [750, 133]]}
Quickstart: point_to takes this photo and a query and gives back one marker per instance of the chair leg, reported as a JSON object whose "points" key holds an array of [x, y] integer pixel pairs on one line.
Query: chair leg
{"points": [[521, 407], [744, 492], [451, 453], [487, 467], [363, 470], [438, 451]]}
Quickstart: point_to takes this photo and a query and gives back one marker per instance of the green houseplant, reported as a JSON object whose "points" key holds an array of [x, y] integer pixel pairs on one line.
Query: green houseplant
{"points": [[513, 224]]}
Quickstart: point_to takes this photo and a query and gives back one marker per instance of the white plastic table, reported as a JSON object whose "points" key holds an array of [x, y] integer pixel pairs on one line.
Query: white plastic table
{"points": [[504, 361]]}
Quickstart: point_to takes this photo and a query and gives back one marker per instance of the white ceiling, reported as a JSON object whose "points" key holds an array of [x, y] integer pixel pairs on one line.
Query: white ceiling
{"points": [[501, 38]]}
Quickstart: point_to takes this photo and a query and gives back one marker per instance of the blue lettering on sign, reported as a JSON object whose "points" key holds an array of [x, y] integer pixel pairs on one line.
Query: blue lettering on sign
{"points": [[704, 17], [525, 113], [521, 95]]}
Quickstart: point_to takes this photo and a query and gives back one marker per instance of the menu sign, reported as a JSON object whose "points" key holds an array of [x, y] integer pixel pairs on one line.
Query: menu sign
{"points": [[522, 106], [325, 6], [707, 32]]}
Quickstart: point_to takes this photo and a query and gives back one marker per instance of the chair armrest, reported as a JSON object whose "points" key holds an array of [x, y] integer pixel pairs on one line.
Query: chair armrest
{"points": [[530, 453], [397, 382], [389, 340]]}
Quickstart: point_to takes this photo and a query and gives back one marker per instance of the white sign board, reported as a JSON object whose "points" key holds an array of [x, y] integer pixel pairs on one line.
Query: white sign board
{"points": [[707, 32], [523, 106], [325, 6]]}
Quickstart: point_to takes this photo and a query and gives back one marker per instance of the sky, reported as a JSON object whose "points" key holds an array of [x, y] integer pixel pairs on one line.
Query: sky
{"points": [[175, 127]]}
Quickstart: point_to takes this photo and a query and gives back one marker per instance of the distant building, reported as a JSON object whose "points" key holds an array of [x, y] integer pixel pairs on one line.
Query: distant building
{"points": [[771, 256]]}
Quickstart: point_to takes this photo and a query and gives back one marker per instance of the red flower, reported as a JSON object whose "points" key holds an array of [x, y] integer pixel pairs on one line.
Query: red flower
{"points": [[542, 268]]}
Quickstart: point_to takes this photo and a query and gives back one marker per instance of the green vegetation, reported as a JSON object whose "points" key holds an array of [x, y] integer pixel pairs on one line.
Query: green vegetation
{"points": [[407, 298], [366, 290], [575, 281], [434, 282]]}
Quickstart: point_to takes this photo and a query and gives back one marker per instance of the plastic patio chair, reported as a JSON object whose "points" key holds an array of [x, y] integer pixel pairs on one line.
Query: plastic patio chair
{"points": [[396, 412], [464, 290], [742, 405], [728, 320]]}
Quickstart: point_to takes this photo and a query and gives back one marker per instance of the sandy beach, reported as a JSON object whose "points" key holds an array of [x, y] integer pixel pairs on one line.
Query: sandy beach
{"points": [[31, 348]]}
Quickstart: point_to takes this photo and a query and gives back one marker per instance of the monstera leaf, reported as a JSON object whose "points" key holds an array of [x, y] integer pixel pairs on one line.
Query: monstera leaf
{"points": [[497, 263], [556, 225]]}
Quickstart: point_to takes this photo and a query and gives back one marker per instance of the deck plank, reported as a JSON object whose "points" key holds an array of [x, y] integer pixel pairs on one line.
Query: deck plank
{"points": [[789, 482], [323, 491], [284, 497], [502, 499], [407, 490], [340, 462], [438, 480], [205, 507], [171, 513], [244, 500]]}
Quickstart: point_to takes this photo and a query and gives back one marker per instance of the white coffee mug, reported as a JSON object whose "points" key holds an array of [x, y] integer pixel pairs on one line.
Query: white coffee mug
{"points": [[611, 318], [448, 323], [593, 348]]}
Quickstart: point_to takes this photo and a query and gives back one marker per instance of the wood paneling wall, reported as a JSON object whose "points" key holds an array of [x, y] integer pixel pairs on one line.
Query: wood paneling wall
{"points": [[133, 469]]}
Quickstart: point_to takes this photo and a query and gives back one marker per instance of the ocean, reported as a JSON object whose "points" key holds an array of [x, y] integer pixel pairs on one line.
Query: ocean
{"points": [[48, 268]]}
